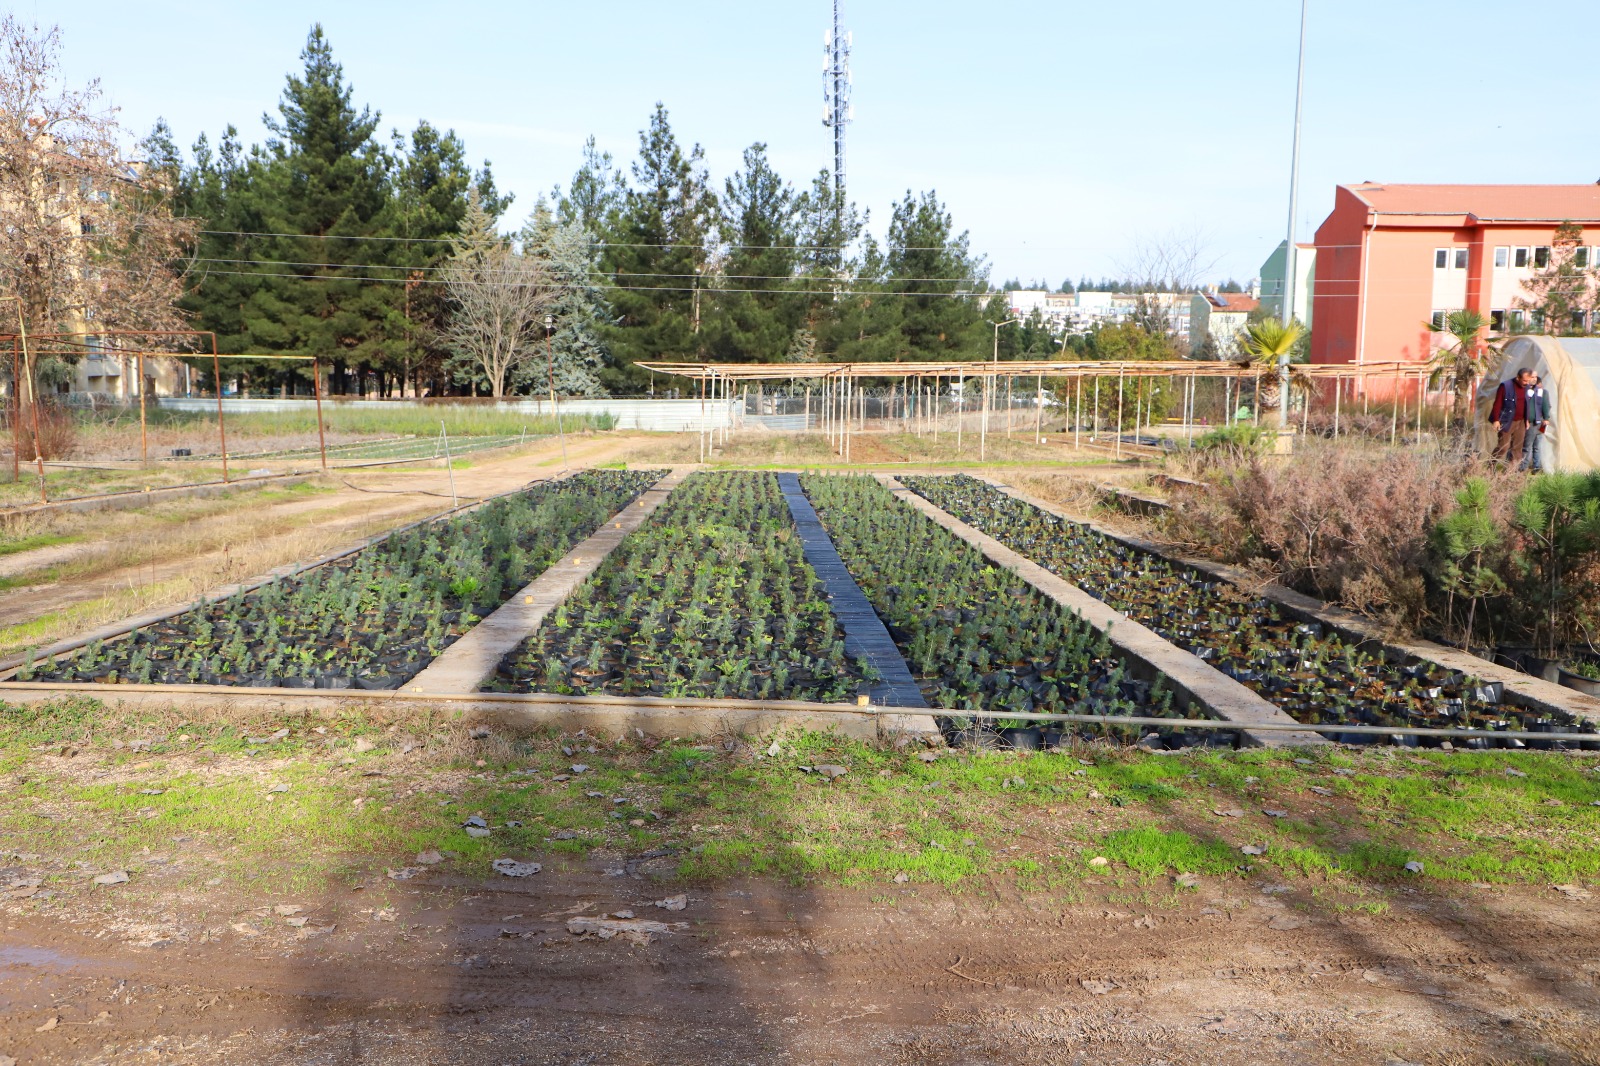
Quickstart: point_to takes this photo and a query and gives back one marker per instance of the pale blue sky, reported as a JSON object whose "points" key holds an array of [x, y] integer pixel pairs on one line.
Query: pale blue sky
{"points": [[1060, 133]]}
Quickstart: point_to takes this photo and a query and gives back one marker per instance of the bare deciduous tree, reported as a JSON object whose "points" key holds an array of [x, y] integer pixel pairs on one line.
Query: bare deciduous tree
{"points": [[498, 299], [87, 237], [1177, 261]]}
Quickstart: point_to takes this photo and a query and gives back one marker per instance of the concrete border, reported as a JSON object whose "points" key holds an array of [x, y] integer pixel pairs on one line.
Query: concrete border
{"points": [[474, 657], [1521, 690], [1193, 680], [659, 716], [10, 665]]}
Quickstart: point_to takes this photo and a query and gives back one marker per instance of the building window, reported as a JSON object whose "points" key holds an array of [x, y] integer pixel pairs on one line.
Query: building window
{"points": [[1502, 257], [1441, 258], [1580, 256], [1541, 257], [1461, 259], [1497, 320], [1438, 319], [1519, 257], [1518, 320], [1578, 321]]}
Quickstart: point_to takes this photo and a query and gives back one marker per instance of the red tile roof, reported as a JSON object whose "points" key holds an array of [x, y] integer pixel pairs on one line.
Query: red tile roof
{"points": [[1509, 203], [1233, 301]]}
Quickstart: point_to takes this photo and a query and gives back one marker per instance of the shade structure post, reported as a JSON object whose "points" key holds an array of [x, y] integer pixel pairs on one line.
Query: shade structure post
{"points": [[1394, 409], [1119, 413], [316, 390], [222, 429], [16, 411], [1008, 406], [1077, 416], [144, 435], [1338, 394], [1094, 420], [1038, 410], [961, 411], [1422, 399], [983, 421]]}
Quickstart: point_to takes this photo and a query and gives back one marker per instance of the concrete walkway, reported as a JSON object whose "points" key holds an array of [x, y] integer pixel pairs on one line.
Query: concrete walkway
{"points": [[469, 662], [1194, 681], [864, 633]]}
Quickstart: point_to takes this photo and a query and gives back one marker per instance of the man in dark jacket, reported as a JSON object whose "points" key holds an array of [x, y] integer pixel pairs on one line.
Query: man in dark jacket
{"points": [[1511, 412], [1534, 455]]}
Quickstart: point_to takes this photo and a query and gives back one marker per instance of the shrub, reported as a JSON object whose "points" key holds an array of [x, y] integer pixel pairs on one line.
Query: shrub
{"points": [[1345, 524], [58, 433]]}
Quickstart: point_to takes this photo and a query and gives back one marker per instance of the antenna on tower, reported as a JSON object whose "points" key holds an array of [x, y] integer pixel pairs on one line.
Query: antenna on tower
{"points": [[836, 107]]}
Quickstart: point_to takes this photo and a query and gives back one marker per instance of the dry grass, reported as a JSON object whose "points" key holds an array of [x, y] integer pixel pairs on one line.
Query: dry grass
{"points": [[173, 555]]}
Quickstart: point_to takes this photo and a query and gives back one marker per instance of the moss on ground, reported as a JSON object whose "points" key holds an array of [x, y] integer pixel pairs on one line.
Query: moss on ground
{"points": [[101, 788]]}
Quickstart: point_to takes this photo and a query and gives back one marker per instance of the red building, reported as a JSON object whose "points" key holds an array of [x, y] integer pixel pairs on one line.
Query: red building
{"points": [[1392, 257]]}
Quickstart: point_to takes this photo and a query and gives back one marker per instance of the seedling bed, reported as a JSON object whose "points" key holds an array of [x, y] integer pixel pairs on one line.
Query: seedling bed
{"points": [[370, 620], [976, 637], [1316, 677], [711, 597]]}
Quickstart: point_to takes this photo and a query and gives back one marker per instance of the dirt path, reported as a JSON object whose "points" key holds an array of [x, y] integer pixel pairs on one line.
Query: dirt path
{"points": [[466, 972], [364, 504]]}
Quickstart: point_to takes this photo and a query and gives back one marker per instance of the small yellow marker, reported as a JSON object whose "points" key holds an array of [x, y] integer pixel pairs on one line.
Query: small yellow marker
{"points": [[527, 599], [863, 701]]}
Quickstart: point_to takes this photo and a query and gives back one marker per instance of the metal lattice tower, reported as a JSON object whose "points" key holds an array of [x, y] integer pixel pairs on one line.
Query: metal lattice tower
{"points": [[836, 107]]}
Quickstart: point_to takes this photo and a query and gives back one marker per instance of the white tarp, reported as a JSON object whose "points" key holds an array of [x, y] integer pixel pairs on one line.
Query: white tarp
{"points": [[1570, 367]]}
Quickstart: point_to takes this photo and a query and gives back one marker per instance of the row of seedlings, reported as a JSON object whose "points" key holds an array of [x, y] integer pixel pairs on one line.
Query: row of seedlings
{"points": [[977, 637], [1314, 675], [374, 619], [712, 597]]}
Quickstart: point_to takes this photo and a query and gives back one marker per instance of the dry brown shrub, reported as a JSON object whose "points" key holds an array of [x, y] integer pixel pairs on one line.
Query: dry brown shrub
{"points": [[58, 433], [1345, 524]]}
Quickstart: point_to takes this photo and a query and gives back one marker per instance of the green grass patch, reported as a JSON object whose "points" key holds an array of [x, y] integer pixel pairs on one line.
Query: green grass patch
{"points": [[14, 545]]}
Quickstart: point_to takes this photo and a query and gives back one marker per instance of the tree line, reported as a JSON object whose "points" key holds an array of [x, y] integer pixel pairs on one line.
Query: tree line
{"points": [[388, 257]]}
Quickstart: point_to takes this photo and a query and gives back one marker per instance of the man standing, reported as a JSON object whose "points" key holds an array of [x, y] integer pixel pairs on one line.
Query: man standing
{"points": [[1534, 455], [1510, 412]]}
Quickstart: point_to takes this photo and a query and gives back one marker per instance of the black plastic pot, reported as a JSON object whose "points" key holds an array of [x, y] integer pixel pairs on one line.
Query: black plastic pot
{"points": [[1577, 682], [1029, 739]]}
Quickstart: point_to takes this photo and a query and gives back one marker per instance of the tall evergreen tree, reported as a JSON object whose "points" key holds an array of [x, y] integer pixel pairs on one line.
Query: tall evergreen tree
{"points": [[432, 188], [660, 255], [757, 308], [579, 309]]}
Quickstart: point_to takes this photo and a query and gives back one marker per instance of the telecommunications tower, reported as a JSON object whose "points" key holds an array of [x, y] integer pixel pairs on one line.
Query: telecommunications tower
{"points": [[836, 107]]}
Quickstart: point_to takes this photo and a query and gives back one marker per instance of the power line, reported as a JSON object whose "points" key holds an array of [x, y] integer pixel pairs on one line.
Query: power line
{"points": [[599, 273]]}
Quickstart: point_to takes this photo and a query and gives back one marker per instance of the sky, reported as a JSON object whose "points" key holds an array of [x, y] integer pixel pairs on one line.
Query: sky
{"points": [[1063, 135]]}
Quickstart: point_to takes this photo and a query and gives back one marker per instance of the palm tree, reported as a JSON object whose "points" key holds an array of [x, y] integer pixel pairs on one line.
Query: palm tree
{"points": [[1462, 361], [1264, 344]]}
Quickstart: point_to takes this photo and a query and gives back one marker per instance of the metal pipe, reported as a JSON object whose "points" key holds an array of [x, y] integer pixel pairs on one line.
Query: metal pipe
{"points": [[222, 429]]}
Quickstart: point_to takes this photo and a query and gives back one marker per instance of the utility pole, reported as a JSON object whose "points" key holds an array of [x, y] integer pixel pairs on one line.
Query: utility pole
{"points": [[836, 107], [1294, 209]]}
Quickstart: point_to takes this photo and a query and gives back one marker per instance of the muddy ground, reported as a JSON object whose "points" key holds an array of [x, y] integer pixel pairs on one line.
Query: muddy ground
{"points": [[452, 971]]}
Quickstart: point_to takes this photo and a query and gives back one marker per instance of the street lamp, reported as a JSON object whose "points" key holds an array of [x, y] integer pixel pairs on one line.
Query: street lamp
{"points": [[983, 423], [1286, 313], [550, 369]]}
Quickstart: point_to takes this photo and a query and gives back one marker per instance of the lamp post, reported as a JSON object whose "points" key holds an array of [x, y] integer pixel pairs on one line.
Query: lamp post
{"points": [[1288, 246], [983, 423], [550, 369]]}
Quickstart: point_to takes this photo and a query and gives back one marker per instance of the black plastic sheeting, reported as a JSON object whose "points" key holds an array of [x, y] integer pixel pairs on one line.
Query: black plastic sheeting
{"points": [[864, 632]]}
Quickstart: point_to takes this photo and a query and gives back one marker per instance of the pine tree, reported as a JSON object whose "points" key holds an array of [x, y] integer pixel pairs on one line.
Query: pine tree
{"points": [[757, 309], [329, 179], [659, 258], [433, 185]]}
